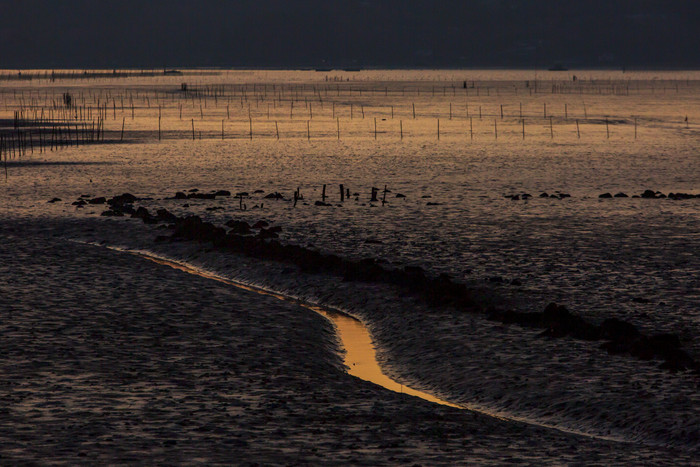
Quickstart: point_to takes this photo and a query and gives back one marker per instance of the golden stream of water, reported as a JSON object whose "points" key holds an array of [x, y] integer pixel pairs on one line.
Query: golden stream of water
{"points": [[360, 354]]}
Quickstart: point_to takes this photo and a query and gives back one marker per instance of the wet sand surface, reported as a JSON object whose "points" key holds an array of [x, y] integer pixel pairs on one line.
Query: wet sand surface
{"points": [[109, 358]]}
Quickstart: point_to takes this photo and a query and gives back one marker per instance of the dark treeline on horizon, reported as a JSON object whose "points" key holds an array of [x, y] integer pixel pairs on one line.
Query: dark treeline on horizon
{"points": [[335, 34]]}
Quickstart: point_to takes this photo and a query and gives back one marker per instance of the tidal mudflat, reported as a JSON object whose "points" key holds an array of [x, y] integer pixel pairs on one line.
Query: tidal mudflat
{"points": [[491, 179]]}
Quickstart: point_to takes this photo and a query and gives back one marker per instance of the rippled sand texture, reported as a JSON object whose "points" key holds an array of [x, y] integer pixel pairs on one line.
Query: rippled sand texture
{"points": [[625, 257], [109, 358]]}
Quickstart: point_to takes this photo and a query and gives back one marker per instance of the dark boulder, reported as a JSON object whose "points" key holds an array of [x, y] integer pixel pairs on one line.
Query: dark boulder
{"points": [[222, 193], [618, 330], [560, 322], [126, 198], [193, 228], [54, 200], [274, 196], [265, 233], [605, 195], [621, 195], [100, 200], [166, 216], [111, 213], [238, 227], [141, 213], [260, 224], [649, 194]]}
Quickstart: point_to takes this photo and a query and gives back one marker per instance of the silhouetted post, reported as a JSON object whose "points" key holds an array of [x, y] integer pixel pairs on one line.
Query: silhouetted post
{"points": [[277, 130], [523, 129], [566, 111], [375, 128], [337, 121], [414, 110], [193, 129], [401, 129], [551, 128], [250, 126], [342, 193], [501, 111], [323, 193], [222, 130], [545, 110], [123, 122], [450, 110], [495, 129], [471, 129], [158, 127], [578, 131], [308, 130], [438, 129], [607, 128]]}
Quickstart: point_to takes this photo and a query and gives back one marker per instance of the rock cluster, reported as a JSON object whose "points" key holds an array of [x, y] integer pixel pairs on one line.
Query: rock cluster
{"points": [[557, 321]]}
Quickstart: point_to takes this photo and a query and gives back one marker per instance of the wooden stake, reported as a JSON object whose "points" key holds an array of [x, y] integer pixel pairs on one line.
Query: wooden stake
{"points": [[551, 128]]}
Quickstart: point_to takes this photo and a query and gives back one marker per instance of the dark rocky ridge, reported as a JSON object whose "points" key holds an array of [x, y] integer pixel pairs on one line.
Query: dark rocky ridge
{"points": [[557, 321]]}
